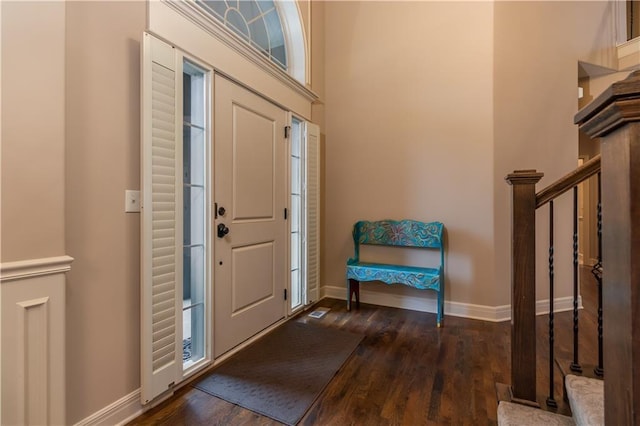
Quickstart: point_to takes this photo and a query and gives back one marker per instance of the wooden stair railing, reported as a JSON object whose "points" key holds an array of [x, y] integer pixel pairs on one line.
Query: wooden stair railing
{"points": [[615, 118], [525, 201], [568, 181]]}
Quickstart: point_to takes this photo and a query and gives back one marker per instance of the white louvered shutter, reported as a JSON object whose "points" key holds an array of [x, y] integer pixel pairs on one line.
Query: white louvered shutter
{"points": [[313, 212], [160, 259]]}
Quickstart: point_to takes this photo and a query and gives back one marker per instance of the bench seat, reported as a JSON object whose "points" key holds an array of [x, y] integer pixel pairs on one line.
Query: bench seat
{"points": [[412, 276]]}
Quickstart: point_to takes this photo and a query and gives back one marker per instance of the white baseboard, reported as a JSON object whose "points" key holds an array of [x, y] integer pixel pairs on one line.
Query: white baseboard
{"points": [[120, 412], [456, 309], [560, 304]]}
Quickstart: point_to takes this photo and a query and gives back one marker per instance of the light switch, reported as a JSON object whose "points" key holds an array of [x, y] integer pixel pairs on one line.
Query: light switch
{"points": [[131, 201]]}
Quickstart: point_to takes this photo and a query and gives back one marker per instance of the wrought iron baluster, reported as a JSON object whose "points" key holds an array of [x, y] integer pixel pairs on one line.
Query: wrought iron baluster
{"points": [[575, 365], [597, 273], [551, 402]]}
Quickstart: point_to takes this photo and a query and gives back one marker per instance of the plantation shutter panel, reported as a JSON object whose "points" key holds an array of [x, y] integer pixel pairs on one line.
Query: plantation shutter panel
{"points": [[313, 212], [160, 259]]}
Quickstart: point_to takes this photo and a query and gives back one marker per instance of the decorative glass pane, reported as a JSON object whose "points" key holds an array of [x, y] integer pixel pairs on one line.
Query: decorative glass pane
{"points": [[193, 334], [276, 37], [295, 175], [296, 138], [193, 155], [193, 102], [266, 5], [194, 262], [259, 35], [255, 21], [295, 250], [235, 21], [186, 334], [193, 216], [274, 28], [219, 7], [249, 10], [295, 213], [279, 56], [296, 299]]}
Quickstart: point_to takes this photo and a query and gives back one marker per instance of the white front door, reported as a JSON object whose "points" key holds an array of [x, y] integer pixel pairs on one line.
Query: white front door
{"points": [[250, 232]]}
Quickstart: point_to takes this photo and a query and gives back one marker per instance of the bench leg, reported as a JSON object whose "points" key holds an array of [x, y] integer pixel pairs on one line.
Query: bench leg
{"points": [[440, 307], [353, 287]]}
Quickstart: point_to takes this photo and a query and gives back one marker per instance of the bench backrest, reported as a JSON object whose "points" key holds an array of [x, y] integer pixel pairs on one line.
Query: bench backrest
{"points": [[403, 233]]}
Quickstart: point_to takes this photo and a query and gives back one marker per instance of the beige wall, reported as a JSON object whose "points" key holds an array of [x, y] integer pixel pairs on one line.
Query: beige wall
{"points": [[103, 159], [33, 133], [537, 49], [594, 85], [425, 118], [409, 131], [317, 42]]}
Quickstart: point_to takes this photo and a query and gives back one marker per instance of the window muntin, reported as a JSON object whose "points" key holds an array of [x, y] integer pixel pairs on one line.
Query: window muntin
{"points": [[257, 22]]}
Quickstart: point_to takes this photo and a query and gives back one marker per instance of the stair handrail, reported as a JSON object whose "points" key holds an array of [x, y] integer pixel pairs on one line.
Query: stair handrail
{"points": [[568, 181]]}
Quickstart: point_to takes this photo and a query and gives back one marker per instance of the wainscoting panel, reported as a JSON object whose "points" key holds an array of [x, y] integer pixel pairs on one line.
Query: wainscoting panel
{"points": [[33, 341], [32, 352]]}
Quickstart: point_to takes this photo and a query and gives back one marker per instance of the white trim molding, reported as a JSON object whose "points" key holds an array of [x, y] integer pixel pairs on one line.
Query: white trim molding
{"points": [[455, 309], [120, 412], [295, 39], [11, 271]]}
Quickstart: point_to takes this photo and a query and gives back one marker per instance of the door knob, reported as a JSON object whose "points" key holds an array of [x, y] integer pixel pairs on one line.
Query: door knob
{"points": [[222, 230]]}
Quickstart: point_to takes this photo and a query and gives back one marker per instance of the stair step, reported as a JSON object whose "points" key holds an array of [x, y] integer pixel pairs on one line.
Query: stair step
{"points": [[587, 369], [512, 414], [586, 397]]}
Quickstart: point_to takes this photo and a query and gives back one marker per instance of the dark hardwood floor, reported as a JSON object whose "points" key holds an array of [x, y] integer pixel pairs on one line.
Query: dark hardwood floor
{"points": [[406, 371]]}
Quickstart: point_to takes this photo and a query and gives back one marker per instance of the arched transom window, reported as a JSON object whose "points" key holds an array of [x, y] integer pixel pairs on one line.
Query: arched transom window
{"points": [[255, 21]]}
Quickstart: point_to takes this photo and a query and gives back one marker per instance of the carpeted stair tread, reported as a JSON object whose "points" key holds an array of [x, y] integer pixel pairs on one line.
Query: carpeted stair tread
{"points": [[512, 414], [586, 397]]}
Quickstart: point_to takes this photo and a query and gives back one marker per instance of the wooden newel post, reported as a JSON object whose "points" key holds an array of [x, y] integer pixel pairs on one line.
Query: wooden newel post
{"points": [[523, 284], [615, 118]]}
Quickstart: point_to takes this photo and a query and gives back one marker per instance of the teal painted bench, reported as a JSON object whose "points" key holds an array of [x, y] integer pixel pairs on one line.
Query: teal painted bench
{"points": [[404, 233]]}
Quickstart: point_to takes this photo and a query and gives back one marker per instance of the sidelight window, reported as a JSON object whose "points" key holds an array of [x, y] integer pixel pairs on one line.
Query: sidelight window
{"points": [[297, 222], [194, 144], [305, 204]]}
